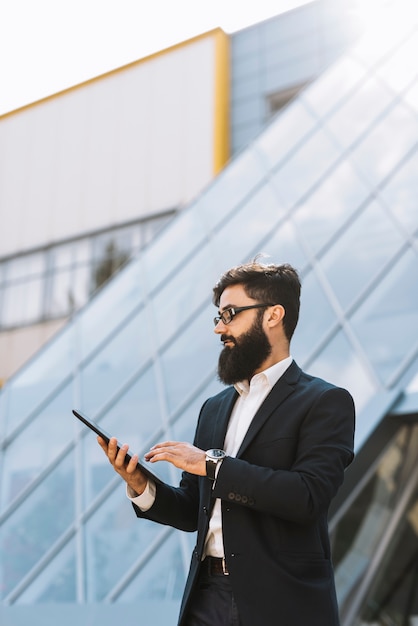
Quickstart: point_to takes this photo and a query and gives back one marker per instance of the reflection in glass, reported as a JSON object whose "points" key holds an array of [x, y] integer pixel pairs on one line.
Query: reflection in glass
{"points": [[43, 439], [359, 111], [162, 578], [190, 359], [282, 137], [230, 189], [327, 209], [340, 364], [359, 254], [397, 70], [176, 302], [359, 532], [284, 247], [120, 358], [134, 419], [315, 320], [115, 539], [186, 228], [39, 380], [335, 84], [394, 596], [240, 238], [393, 304], [304, 168], [57, 582], [401, 192], [33, 528], [387, 143], [109, 308]]}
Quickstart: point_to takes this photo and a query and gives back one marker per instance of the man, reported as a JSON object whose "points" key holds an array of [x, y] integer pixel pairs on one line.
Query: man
{"points": [[268, 457]]}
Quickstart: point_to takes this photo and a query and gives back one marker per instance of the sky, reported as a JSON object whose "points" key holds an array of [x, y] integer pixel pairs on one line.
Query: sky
{"points": [[49, 45]]}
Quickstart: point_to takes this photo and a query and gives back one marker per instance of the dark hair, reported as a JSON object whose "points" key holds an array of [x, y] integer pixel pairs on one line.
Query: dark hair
{"points": [[278, 284]]}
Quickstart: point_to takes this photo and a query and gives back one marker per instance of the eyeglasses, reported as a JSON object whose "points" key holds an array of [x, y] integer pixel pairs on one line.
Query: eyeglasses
{"points": [[228, 315]]}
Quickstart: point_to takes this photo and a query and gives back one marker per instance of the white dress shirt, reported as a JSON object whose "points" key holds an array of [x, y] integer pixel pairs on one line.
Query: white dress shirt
{"points": [[251, 396]]}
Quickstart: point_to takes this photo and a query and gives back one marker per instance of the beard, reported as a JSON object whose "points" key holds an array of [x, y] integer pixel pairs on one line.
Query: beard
{"points": [[248, 354]]}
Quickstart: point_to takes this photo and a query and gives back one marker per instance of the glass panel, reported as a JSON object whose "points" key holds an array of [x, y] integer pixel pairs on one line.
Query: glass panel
{"points": [[241, 237], [162, 578], [56, 583], [110, 307], [316, 318], [356, 115], [115, 529], [400, 194], [400, 68], [339, 364], [285, 133], [231, 187], [195, 352], [333, 85], [358, 255], [384, 33], [328, 207], [178, 299], [386, 145], [304, 168], [34, 527], [393, 597], [135, 419], [120, 358], [61, 301], [82, 251], [25, 266], [81, 286], [63, 255], [411, 97], [173, 244], [52, 431], [360, 531], [284, 247], [39, 379], [393, 304]]}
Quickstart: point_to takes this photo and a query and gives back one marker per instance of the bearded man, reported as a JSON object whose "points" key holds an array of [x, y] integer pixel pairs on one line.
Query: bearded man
{"points": [[269, 455]]}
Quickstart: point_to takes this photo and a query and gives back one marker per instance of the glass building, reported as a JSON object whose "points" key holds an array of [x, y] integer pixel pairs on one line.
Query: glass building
{"points": [[331, 187]]}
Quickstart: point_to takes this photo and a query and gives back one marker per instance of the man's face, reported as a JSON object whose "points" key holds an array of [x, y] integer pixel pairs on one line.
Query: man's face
{"points": [[246, 346]]}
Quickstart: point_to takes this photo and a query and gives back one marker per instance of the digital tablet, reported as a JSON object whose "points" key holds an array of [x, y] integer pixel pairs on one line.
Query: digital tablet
{"points": [[102, 433]]}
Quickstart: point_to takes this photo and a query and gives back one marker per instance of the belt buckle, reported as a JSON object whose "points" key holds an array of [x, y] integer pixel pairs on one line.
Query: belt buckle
{"points": [[224, 568]]}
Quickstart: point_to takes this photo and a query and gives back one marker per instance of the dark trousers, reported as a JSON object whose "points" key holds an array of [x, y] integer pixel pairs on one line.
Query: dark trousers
{"points": [[212, 603]]}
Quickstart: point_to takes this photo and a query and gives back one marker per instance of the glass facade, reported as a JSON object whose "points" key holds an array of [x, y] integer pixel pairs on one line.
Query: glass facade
{"points": [[54, 282], [330, 187]]}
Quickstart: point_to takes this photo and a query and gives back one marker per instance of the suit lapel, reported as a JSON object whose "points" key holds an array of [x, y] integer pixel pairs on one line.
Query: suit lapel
{"points": [[281, 390], [222, 418]]}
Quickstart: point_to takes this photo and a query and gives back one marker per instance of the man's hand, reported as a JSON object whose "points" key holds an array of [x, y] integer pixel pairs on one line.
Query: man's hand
{"points": [[182, 455], [129, 472]]}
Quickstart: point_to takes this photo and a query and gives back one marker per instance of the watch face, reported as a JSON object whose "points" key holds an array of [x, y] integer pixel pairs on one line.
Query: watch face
{"points": [[216, 454]]}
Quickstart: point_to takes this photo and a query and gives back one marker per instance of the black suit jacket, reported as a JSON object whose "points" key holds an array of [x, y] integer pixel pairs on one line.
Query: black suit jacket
{"points": [[275, 498]]}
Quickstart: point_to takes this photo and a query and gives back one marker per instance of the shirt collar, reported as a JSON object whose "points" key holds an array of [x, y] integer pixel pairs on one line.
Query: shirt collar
{"points": [[271, 374]]}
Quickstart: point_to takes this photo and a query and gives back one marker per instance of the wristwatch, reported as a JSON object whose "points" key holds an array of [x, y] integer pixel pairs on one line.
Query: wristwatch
{"points": [[213, 458]]}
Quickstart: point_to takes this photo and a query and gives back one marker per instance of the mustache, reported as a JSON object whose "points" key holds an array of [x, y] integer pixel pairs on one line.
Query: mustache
{"points": [[228, 338]]}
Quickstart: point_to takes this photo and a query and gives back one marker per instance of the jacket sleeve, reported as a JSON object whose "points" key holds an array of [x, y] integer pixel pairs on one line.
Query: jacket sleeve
{"points": [[303, 490]]}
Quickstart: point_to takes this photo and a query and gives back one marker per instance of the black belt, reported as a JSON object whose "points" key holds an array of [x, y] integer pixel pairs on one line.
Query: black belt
{"points": [[215, 566]]}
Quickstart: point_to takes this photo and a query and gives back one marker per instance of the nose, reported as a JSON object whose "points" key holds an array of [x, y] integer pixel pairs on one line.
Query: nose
{"points": [[219, 328]]}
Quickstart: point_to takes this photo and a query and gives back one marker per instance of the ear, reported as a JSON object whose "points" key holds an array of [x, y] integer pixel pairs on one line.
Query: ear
{"points": [[275, 315]]}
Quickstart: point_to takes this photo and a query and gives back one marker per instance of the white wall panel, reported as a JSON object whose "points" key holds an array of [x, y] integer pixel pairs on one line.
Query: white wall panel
{"points": [[135, 142]]}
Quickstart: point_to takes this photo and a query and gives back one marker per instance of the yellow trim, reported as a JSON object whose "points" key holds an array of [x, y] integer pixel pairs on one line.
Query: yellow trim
{"points": [[221, 144], [216, 32]]}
